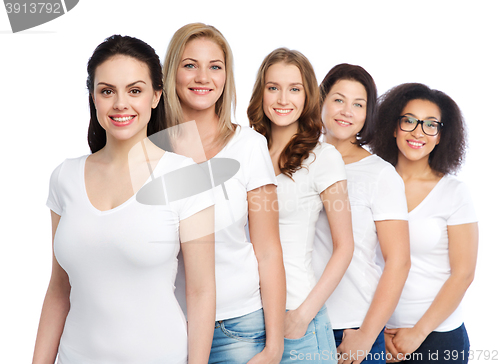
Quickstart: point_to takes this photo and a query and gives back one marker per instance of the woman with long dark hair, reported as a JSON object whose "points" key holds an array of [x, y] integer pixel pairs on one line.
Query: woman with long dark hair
{"points": [[367, 295], [111, 294]]}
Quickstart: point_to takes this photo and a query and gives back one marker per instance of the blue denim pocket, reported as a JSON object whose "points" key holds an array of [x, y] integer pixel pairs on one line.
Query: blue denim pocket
{"points": [[249, 328]]}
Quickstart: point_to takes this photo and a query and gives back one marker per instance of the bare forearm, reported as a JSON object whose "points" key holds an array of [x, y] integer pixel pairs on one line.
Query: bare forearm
{"points": [[54, 312], [445, 303], [273, 292], [386, 296], [201, 313], [329, 280]]}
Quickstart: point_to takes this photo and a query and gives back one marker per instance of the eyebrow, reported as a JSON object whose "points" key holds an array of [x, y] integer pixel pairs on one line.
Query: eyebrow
{"points": [[291, 84], [359, 98], [129, 85], [195, 60], [427, 118]]}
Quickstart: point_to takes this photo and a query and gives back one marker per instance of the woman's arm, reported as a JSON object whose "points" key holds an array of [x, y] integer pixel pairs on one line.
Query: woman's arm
{"points": [[394, 243], [263, 224], [462, 250], [338, 212], [197, 243], [54, 310]]}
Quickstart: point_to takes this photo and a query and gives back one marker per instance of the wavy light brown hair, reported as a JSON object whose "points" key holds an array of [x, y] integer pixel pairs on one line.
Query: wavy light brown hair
{"points": [[226, 102], [310, 125]]}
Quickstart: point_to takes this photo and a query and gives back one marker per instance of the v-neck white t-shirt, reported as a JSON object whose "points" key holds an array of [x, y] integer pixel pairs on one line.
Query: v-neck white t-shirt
{"points": [[236, 268], [448, 203], [299, 207], [376, 193], [121, 265]]}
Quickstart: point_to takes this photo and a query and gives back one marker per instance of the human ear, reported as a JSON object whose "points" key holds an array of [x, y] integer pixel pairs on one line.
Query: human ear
{"points": [[156, 98]]}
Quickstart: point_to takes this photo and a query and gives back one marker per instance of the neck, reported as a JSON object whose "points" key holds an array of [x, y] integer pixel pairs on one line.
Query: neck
{"points": [[207, 122], [419, 169], [346, 147], [281, 135], [125, 151]]}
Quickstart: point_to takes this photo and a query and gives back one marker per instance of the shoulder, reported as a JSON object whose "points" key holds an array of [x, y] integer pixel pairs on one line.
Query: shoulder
{"points": [[244, 135], [70, 165], [325, 153]]}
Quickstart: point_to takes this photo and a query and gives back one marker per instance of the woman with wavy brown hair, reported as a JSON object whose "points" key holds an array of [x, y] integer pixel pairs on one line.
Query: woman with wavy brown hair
{"points": [[285, 108]]}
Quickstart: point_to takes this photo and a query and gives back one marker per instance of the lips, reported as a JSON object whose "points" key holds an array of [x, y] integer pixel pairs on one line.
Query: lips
{"points": [[343, 122], [122, 120], [200, 90], [283, 111], [415, 144]]}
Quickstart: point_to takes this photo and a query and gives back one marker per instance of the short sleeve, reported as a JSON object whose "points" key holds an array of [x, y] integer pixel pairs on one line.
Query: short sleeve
{"points": [[192, 204], [259, 171], [389, 199], [54, 201], [462, 210], [328, 167]]}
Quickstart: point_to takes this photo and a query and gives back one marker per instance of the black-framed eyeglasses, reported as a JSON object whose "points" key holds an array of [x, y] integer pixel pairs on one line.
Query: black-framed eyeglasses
{"points": [[429, 127]]}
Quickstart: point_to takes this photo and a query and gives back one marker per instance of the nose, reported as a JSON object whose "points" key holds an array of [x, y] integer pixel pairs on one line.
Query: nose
{"points": [[201, 75], [120, 101], [418, 132], [347, 110], [283, 98]]}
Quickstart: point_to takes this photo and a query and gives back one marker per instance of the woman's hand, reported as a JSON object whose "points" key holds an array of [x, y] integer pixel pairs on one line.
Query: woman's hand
{"points": [[295, 324], [406, 340], [353, 343]]}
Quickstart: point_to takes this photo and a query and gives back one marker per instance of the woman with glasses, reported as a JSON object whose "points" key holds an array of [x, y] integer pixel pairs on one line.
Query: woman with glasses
{"points": [[367, 295], [422, 133]]}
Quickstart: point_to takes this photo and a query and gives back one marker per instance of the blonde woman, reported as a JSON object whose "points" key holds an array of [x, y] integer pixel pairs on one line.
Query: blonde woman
{"points": [[250, 279]]}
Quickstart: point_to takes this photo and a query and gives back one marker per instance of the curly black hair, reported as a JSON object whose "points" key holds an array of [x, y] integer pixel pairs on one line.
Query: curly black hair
{"points": [[448, 155]]}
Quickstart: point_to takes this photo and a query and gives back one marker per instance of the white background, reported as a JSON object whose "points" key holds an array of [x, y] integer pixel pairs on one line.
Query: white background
{"points": [[449, 45]]}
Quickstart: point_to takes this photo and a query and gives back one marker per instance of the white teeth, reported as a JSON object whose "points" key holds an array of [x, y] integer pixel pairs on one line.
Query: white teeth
{"points": [[200, 90], [341, 122], [415, 144], [121, 120], [283, 111]]}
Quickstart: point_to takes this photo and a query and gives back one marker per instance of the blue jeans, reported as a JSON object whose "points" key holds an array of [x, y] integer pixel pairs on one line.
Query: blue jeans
{"points": [[316, 346], [377, 352], [238, 339], [443, 348]]}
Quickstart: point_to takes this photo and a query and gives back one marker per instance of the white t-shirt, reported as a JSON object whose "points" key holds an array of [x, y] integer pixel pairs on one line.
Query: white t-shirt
{"points": [[121, 265], [449, 203], [299, 206], [236, 268], [376, 193]]}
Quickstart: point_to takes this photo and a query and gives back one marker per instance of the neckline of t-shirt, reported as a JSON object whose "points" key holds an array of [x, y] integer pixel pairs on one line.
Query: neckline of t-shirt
{"points": [[122, 205], [364, 159], [429, 194]]}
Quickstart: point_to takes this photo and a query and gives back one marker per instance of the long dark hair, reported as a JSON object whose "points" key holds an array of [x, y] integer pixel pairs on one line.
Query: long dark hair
{"points": [[310, 126], [448, 155], [135, 48], [345, 71]]}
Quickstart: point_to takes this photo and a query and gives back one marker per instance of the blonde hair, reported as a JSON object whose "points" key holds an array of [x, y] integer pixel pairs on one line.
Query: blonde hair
{"points": [[225, 103]]}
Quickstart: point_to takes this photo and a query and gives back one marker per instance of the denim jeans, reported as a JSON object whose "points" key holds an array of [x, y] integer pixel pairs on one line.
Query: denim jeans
{"points": [[377, 352], [238, 339], [443, 348], [316, 346]]}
